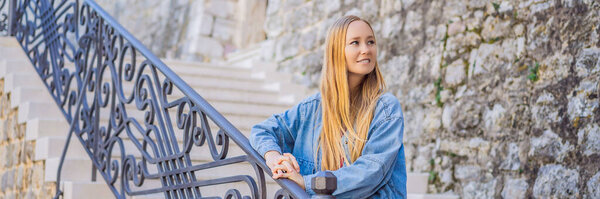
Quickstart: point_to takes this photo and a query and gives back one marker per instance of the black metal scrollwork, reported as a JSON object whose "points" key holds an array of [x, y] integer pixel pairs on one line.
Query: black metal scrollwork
{"points": [[3, 17], [115, 94]]}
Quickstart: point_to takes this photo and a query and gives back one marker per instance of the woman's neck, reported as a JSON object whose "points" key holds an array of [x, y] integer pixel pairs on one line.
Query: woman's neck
{"points": [[354, 82]]}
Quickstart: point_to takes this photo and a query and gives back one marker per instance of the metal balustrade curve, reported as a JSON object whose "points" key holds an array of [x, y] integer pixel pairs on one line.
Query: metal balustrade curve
{"points": [[74, 45]]}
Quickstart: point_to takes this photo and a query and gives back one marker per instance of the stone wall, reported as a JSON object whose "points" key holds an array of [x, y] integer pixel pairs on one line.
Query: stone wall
{"points": [[500, 98], [200, 30], [20, 175]]}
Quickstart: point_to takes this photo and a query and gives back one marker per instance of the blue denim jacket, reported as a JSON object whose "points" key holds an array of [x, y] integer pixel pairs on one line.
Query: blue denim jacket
{"points": [[379, 173]]}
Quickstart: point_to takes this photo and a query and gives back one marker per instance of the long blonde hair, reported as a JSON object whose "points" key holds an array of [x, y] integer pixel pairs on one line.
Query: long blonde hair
{"points": [[342, 113]]}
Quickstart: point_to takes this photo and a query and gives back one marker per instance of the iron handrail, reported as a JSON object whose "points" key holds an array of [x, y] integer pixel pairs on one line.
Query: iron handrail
{"points": [[45, 29]]}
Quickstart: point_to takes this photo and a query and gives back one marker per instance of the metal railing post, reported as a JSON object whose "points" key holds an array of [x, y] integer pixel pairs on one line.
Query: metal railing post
{"points": [[324, 184], [12, 22]]}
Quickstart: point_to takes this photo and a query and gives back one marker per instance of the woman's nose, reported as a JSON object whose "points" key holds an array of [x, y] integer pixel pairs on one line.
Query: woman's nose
{"points": [[364, 49]]}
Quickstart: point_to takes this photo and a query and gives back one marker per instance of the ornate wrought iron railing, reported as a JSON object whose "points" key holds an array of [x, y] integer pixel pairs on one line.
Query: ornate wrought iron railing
{"points": [[113, 90]]}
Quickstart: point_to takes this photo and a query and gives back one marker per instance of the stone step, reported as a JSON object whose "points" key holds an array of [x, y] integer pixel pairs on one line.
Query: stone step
{"points": [[39, 128], [222, 66], [20, 95], [14, 66], [242, 122], [225, 108], [431, 196], [13, 53], [197, 154], [57, 126], [52, 147], [235, 85], [214, 70], [284, 78], [210, 84], [7, 42], [24, 80], [418, 182], [244, 57], [31, 110], [233, 96], [76, 170], [77, 190], [237, 78], [214, 95]]}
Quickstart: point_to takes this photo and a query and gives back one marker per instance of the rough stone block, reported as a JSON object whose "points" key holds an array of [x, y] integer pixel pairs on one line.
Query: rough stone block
{"points": [[18, 181], [9, 156], [512, 161], [588, 62], [455, 73], [592, 186], [580, 104], [286, 47], [3, 134], [299, 19], [223, 29], [308, 40], [30, 194], [273, 6], [467, 172], [7, 182], [589, 138], [209, 47], [37, 176], [515, 188], [10, 195], [549, 146], [327, 7], [391, 26], [28, 152], [206, 24], [221, 8], [495, 28], [556, 181], [495, 119], [479, 190], [291, 4]]}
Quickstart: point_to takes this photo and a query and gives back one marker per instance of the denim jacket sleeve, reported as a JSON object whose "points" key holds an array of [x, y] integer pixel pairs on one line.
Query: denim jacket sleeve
{"points": [[370, 171], [278, 132]]}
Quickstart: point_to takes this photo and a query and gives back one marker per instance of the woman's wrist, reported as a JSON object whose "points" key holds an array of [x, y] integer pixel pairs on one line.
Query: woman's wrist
{"points": [[270, 153], [302, 183]]}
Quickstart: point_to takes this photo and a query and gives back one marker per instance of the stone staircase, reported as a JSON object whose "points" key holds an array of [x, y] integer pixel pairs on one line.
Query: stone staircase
{"points": [[245, 91]]}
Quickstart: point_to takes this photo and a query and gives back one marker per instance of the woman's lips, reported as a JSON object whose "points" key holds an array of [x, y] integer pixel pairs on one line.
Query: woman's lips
{"points": [[364, 61]]}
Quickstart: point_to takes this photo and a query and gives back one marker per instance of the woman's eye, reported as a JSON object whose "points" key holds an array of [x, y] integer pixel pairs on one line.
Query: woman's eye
{"points": [[371, 42], [354, 43]]}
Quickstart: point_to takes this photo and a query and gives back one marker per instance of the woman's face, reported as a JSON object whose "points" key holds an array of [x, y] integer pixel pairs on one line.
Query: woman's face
{"points": [[361, 50]]}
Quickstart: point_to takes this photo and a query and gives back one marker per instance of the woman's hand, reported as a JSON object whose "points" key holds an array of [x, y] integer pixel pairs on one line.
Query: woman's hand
{"points": [[273, 159], [284, 166], [294, 176]]}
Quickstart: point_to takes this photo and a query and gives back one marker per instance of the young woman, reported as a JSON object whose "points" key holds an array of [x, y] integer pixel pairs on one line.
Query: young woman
{"points": [[350, 127]]}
